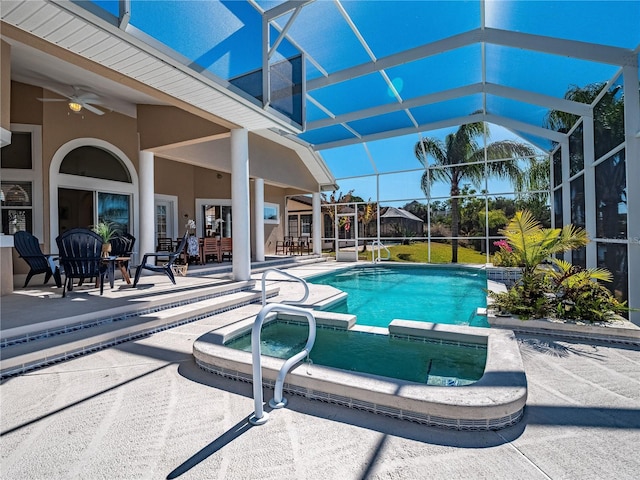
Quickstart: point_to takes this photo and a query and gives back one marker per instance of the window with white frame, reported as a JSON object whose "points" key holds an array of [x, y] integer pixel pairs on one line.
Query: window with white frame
{"points": [[21, 185], [305, 224], [271, 213]]}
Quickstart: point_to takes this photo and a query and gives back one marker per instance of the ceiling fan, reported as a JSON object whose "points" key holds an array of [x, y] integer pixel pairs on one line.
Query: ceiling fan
{"points": [[78, 100]]}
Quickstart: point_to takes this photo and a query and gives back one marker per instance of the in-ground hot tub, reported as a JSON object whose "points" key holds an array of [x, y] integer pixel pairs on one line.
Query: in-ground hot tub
{"points": [[493, 402]]}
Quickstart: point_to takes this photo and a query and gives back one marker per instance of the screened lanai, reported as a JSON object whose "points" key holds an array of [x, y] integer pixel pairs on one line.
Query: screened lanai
{"points": [[561, 77], [362, 82]]}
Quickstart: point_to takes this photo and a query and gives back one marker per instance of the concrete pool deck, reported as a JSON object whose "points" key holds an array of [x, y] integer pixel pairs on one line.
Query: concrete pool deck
{"points": [[143, 409]]}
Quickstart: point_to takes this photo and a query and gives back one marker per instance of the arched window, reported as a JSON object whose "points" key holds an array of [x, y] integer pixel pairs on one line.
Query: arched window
{"points": [[92, 181], [90, 161]]}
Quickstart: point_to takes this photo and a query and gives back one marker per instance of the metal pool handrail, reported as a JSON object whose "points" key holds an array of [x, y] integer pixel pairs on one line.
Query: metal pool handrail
{"points": [[259, 416], [379, 244], [298, 279]]}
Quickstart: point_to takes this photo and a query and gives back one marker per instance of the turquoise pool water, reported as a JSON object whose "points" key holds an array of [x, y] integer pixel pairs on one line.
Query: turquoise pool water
{"points": [[377, 295], [431, 363]]}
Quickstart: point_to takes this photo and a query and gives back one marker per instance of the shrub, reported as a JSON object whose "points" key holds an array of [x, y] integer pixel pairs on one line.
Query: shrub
{"points": [[504, 256], [552, 287]]}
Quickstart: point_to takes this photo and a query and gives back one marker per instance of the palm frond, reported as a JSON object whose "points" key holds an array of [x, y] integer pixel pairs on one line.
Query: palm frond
{"points": [[570, 237], [601, 274], [522, 224], [562, 265]]}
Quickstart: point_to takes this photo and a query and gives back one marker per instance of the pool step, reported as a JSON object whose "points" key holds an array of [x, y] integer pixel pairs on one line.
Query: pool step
{"points": [[46, 348], [134, 307]]}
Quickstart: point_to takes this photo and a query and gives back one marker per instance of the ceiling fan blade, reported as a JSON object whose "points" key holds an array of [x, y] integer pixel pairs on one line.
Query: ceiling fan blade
{"points": [[94, 100], [92, 109], [52, 99], [88, 97]]}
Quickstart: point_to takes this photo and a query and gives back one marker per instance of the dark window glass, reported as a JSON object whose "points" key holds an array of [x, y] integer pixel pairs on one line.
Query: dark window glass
{"points": [[577, 202], [576, 151], [18, 153], [89, 161], [14, 220], [328, 226], [611, 197], [579, 257], [613, 257], [557, 208], [557, 168], [293, 226], [16, 194], [114, 208], [286, 87], [17, 202], [608, 120], [305, 224], [75, 208], [250, 83]]}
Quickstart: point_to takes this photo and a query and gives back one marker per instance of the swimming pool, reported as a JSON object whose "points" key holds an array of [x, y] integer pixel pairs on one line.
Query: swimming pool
{"points": [[493, 402], [379, 294], [431, 363]]}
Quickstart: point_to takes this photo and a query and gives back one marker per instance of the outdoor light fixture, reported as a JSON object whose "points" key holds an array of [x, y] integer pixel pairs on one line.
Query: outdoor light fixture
{"points": [[75, 107]]}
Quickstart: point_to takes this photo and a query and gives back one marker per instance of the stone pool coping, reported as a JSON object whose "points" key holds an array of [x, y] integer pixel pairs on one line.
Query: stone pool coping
{"points": [[616, 331], [495, 401]]}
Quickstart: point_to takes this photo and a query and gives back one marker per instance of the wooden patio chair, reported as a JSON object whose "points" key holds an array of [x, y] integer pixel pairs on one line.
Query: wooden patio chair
{"points": [[303, 245], [28, 248], [284, 246], [81, 257], [226, 248], [210, 249], [122, 246], [166, 268]]}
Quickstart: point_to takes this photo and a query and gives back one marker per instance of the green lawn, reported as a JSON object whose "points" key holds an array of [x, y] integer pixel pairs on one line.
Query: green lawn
{"points": [[440, 253]]}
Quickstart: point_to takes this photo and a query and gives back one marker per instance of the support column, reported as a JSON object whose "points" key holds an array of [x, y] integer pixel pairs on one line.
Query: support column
{"points": [[317, 223], [632, 155], [589, 191], [258, 205], [566, 190], [146, 241], [240, 204]]}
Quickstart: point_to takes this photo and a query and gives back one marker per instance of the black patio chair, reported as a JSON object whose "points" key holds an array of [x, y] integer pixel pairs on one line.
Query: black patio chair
{"points": [[81, 257], [28, 248], [122, 246], [165, 268]]}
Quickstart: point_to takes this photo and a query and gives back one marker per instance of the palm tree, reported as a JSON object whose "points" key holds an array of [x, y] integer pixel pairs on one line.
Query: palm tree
{"points": [[532, 244], [460, 158], [550, 286]]}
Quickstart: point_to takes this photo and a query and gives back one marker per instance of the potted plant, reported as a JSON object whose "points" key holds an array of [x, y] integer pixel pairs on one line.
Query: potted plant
{"points": [[217, 225], [107, 231]]}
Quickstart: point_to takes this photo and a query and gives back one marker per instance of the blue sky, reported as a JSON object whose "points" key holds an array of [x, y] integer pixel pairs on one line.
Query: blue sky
{"points": [[229, 50], [349, 164]]}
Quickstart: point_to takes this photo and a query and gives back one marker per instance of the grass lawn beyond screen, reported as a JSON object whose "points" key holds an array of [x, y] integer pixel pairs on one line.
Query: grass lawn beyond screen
{"points": [[418, 252]]}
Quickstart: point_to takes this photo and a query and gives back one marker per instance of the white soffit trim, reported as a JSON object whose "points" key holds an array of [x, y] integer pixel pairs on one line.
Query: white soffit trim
{"points": [[73, 28]]}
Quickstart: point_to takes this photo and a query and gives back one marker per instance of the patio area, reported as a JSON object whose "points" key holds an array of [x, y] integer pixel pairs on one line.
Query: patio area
{"points": [[143, 409]]}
